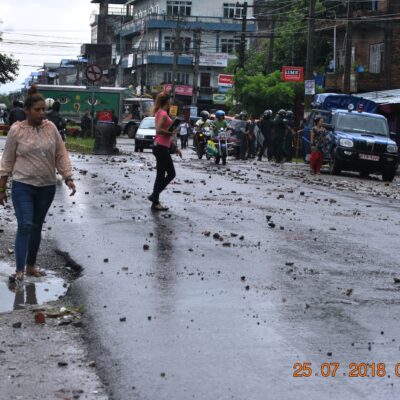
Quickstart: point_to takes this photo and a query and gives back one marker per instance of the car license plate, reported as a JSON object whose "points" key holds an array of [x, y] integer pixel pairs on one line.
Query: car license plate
{"points": [[368, 157]]}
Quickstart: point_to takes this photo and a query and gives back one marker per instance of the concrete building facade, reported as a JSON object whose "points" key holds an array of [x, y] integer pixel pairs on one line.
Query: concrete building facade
{"points": [[144, 47], [375, 56]]}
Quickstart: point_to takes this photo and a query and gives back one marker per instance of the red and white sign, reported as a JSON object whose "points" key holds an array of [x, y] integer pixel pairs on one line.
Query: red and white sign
{"points": [[293, 74], [225, 80], [94, 73], [181, 90]]}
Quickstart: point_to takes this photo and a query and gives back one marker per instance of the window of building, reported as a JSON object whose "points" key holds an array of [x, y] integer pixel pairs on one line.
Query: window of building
{"points": [[205, 79], [376, 58], [168, 43], [371, 5], [182, 78], [184, 45], [230, 45], [182, 8], [232, 11]]}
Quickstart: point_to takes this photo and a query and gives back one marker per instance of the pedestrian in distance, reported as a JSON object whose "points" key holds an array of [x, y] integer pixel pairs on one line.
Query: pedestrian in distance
{"points": [[17, 113], [33, 151], [184, 128], [57, 119], [86, 124], [164, 144], [318, 141]]}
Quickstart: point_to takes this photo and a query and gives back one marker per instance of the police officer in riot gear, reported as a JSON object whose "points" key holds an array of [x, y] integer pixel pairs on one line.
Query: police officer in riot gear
{"points": [[266, 126], [289, 135], [279, 135]]}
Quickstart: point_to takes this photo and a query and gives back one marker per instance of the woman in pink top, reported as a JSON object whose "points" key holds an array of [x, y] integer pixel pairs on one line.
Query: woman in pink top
{"points": [[33, 151], [161, 150]]}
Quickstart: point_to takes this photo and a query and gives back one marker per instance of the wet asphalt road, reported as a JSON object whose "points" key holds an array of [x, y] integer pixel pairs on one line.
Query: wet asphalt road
{"points": [[302, 270]]}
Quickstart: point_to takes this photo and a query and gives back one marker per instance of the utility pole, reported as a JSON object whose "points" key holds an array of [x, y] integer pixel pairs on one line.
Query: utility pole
{"points": [[242, 51], [268, 67], [310, 52], [176, 59], [196, 72], [349, 48]]}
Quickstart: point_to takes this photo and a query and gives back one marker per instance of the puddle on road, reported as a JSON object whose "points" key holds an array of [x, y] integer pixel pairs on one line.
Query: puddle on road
{"points": [[31, 292]]}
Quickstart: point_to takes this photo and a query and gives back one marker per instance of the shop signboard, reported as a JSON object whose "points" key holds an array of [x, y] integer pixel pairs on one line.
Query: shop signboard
{"points": [[219, 98], [293, 74], [213, 60], [225, 80], [181, 90]]}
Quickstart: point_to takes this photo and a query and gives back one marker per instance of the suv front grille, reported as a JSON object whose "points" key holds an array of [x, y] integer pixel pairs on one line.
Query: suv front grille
{"points": [[368, 147]]}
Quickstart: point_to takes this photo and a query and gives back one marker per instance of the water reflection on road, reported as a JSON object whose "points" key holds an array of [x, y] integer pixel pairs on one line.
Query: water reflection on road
{"points": [[32, 291]]}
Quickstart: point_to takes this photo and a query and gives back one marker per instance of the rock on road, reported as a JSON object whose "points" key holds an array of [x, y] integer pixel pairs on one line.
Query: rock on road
{"points": [[255, 267]]}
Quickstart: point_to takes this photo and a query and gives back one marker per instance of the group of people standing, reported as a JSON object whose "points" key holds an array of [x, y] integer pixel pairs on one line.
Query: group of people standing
{"points": [[278, 134]]}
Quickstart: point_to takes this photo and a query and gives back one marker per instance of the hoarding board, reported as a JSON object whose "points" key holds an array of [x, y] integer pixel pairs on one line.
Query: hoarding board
{"points": [[225, 80], [293, 74], [214, 60]]}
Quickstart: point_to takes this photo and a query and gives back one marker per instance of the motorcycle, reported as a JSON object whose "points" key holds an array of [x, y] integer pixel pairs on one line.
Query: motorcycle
{"points": [[202, 139], [217, 147]]}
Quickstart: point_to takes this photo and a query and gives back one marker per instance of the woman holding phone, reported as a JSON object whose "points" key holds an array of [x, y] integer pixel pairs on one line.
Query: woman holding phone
{"points": [[162, 150]]}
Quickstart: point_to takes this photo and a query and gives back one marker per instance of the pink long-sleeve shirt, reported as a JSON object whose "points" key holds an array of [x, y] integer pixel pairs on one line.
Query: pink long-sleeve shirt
{"points": [[33, 154]]}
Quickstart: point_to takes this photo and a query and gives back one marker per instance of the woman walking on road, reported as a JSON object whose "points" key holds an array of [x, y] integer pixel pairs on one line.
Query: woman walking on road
{"points": [[162, 150], [34, 150], [317, 140]]}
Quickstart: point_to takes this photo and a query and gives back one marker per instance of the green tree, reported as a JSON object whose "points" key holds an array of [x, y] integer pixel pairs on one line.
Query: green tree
{"points": [[291, 43], [8, 67], [258, 92]]}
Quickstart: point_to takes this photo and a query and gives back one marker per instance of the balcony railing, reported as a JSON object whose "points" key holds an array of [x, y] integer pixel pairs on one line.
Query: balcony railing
{"points": [[168, 21]]}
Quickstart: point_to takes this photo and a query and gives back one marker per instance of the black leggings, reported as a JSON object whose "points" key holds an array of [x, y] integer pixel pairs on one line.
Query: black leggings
{"points": [[165, 171]]}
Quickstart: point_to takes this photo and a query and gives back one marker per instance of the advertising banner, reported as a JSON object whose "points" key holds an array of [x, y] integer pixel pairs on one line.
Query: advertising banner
{"points": [[309, 87], [181, 90], [219, 98], [214, 60], [293, 74], [225, 80]]}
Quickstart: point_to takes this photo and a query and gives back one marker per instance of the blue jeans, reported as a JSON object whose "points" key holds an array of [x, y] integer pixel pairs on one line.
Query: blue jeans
{"points": [[31, 204]]}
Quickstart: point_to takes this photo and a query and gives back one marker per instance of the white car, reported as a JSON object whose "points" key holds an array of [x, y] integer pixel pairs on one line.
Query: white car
{"points": [[145, 134]]}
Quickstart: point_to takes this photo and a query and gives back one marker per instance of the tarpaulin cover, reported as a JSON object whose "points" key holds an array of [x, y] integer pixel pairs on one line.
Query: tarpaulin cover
{"points": [[333, 101]]}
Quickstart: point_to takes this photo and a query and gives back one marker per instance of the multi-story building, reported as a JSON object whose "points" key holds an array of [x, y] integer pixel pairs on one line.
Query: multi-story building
{"points": [[208, 33], [110, 16], [375, 56]]}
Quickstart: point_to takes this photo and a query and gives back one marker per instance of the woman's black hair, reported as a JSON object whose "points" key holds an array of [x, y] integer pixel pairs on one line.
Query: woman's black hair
{"points": [[33, 97], [317, 119]]}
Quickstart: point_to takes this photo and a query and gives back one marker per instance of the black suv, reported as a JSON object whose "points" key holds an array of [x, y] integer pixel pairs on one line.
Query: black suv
{"points": [[360, 141]]}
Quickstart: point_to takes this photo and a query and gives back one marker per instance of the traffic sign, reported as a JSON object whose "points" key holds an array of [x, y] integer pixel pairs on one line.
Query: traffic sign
{"points": [[93, 73]]}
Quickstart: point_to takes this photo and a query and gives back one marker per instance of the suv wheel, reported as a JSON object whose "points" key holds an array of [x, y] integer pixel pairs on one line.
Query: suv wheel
{"points": [[130, 130], [334, 165], [388, 175]]}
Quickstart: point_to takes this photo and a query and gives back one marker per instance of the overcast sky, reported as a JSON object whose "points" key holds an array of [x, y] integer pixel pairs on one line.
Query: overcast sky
{"points": [[42, 31]]}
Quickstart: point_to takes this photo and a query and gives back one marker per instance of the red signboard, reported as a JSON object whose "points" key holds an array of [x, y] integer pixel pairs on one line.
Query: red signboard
{"points": [[293, 74], [181, 90], [225, 80]]}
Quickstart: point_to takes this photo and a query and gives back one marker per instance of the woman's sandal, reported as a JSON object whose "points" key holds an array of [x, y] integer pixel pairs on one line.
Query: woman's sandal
{"points": [[17, 277], [35, 272], [159, 207]]}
